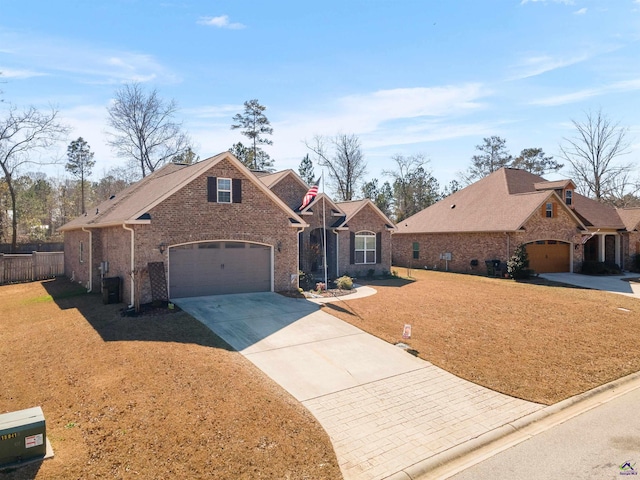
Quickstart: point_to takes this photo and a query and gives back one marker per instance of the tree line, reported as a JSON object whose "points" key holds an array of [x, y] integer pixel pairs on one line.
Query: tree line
{"points": [[145, 133]]}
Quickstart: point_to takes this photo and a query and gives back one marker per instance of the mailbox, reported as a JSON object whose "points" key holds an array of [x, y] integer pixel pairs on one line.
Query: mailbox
{"points": [[22, 436]]}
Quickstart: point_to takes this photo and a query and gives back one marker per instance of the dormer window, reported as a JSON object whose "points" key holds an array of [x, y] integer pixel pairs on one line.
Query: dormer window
{"points": [[568, 197]]}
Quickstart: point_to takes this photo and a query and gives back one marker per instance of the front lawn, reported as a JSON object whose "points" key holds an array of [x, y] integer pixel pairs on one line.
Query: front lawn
{"points": [[157, 396], [535, 342]]}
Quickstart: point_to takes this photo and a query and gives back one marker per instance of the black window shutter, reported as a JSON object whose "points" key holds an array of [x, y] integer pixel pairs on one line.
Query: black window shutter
{"points": [[236, 189], [352, 250], [212, 189], [379, 247]]}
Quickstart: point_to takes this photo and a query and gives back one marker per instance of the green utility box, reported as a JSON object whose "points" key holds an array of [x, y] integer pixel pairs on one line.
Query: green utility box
{"points": [[22, 436]]}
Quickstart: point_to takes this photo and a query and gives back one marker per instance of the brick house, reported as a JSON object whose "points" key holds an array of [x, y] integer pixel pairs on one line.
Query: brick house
{"points": [[490, 218], [358, 234], [214, 227]]}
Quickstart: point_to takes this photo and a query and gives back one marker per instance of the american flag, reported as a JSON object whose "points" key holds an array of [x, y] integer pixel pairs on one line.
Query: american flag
{"points": [[310, 195]]}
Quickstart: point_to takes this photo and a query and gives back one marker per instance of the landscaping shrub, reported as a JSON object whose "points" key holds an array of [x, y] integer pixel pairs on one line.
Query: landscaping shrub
{"points": [[306, 280], [590, 267], [344, 283], [371, 273], [518, 264]]}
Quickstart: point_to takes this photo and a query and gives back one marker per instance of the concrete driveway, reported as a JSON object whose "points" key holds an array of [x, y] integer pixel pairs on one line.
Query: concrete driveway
{"points": [[385, 410], [610, 283]]}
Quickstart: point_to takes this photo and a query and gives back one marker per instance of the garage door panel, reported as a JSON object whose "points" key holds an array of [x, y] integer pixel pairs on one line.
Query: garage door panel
{"points": [[549, 256], [217, 268]]}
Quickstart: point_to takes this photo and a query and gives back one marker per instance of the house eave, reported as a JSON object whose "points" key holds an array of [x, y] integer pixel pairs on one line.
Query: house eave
{"points": [[103, 225]]}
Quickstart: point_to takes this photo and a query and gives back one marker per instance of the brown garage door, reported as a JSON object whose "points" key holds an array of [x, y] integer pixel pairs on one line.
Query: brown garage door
{"points": [[548, 256], [216, 268]]}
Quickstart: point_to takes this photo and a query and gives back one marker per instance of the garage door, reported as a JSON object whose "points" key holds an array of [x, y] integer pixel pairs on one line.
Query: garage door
{"points": [[216, 268], [548, 256]]}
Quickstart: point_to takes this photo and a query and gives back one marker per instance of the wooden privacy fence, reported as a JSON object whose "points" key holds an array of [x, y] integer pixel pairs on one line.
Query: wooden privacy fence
{"points": [[27, 268]]}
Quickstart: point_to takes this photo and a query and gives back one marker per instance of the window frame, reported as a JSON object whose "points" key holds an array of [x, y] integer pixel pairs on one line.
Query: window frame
{"points": [[416, 250], [369, 248], [548, 210], [220, 190], [81, 251], [568, 197]]}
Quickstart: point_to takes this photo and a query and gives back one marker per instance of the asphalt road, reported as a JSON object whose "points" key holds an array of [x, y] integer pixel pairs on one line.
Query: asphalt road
{"points": [[602, 443]]}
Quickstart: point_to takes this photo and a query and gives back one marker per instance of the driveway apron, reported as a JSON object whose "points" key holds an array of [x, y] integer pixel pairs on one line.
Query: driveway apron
{"points": [[384, 409]]}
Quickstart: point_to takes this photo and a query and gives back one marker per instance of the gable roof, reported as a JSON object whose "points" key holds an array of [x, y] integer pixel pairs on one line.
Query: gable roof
{"points": [[500, 202], [630, 217], [353, 207], [272, 179], [334, 207], [129, 205]]}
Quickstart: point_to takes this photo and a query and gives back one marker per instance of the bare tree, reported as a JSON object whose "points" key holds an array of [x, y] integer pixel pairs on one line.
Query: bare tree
{"points": [[144, 129], [591, 153], [343, 157], [22, 133]]}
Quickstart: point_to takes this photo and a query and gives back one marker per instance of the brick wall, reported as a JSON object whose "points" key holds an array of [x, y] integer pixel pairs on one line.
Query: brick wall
{"points": [[73, 267], [290, 191], [369, 220]]}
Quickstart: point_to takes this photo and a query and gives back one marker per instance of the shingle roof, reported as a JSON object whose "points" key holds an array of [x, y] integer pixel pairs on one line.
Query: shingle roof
{"points": [[630, 217], [502, 201], [596, 214], [351, 208], [270, 179], [132, 202]]}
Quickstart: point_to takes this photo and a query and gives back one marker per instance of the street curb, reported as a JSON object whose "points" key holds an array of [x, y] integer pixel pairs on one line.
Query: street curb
{"points": [[427, 466]]}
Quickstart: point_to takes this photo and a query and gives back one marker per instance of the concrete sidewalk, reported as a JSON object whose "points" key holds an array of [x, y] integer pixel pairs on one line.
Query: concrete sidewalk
{"points": [[386, 411]]}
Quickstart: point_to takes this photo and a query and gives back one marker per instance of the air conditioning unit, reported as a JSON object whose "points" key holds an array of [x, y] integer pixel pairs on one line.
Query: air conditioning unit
{"points": [[23, 436]]}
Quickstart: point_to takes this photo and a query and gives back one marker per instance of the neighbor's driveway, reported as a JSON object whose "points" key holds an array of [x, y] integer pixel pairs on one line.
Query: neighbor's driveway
{"points": [[384, 409], [609, 283]]}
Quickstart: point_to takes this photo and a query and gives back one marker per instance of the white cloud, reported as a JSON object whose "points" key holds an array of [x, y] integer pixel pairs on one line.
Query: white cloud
{"points": [[19, 73], [564, 2], [537, 65], [384, 118], [220, 22], [28, 53], [616, 87], [582, 11]]}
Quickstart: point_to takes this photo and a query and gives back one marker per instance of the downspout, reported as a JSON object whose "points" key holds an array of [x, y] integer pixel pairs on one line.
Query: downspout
{"points": [[508, 245], [90, 259], [133, 264], [298, 232], [337, 252]]}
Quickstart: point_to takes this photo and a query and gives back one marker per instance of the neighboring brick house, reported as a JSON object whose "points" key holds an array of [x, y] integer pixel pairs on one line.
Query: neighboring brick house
{"points": [[490, 218], [214, 227], [358, 234]]}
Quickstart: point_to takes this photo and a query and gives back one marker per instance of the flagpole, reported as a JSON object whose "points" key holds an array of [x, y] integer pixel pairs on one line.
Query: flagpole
{"points": [[324, 233]]}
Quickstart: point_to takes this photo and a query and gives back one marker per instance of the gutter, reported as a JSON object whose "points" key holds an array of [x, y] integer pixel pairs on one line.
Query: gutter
{"points": [[133, 264], [90, 288]]}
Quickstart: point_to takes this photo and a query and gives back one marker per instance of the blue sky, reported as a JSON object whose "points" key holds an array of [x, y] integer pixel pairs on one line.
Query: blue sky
{"points": [[431, 77]]}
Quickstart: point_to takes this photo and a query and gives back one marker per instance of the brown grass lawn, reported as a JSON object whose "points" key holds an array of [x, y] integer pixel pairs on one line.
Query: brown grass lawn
{"points": [[539, 343], [148, 397]]}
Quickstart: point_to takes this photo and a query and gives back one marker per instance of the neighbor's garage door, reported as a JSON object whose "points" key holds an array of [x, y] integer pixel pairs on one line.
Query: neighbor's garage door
{"points": [[216, 268], [548, 256]]}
